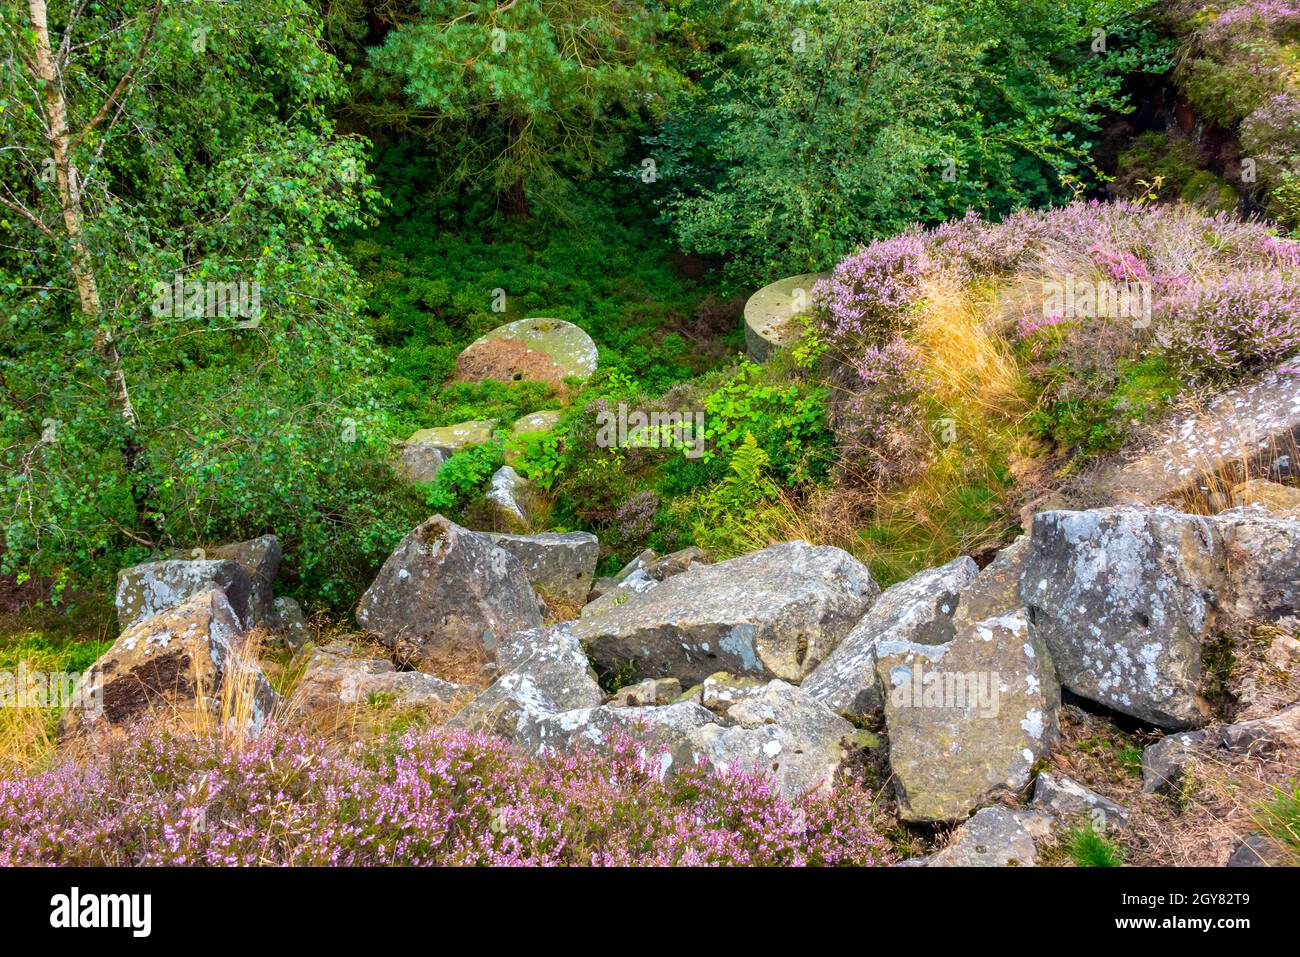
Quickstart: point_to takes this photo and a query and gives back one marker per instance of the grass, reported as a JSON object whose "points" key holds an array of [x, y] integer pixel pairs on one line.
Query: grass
{"points": [[1279, 818], [1087, 848]]}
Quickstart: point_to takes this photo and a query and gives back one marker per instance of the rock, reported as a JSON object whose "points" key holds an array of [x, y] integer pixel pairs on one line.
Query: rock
{"points": [[534, 423], [1256, 850], [675, 563], [996, 589], [446, 593], [777, 613], [967, 720], [719, 691], [1262, 565], [636, 583], [556, 664], [918, 610], [1070, 802], [1245, 431], [332, 680], [1165, 761], [546, 350], [648, 693], [995, 837], [419, 461], [558, 564], [1282, 500], [508, 708], [180, 662], [453, 438], [150, 588], [288, 620], [261, 556], [782, 731], [1123, 598], [512, 497], [771, 314]]}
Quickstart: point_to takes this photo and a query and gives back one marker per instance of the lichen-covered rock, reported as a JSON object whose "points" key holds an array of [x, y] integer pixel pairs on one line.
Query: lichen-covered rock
{"points": [[147, 589], [1261, 553], [648, 693], [919, 610], [532, 424], [775, 613], [288, 620], [546, 350], [719, 691], [446, 593], [1165, 761], [784, 732], [331, 681], [419, 461], [674, 563], [512, 498], [1124, 599], [995, 837], [559, 564], [771, 314], [176, 664], [967, 720], [996, 589], [619, 593], [453, 438], [555, 662], [1071, 803], [1282, 500]]}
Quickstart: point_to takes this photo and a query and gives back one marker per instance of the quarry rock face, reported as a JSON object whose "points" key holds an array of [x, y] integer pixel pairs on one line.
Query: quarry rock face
{"points": [[1125, 599], [447, 594], [775, 613], [560, 564], [967, 720], [245, 571], [918, 610], [179, 663]]}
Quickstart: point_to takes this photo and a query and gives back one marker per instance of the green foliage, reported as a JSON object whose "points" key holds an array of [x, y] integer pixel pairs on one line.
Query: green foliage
{"points": [[1279, 818], [816, 126], [1097, 415], [541, 456], [1087, 848], [463, 477], [1176, 164]]}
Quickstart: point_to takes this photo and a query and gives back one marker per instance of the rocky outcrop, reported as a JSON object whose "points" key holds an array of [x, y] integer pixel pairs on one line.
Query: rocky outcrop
{"points": [[332, 681], [187, 661], [446, 594], [1124, 599], [918, 610], [244, 571], [784, 732], [967, 720], [776, 613], [558, 564]]}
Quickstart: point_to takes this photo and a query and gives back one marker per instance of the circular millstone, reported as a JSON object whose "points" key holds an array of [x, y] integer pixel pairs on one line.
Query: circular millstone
{"points": [[770, 313], [549, 350]]}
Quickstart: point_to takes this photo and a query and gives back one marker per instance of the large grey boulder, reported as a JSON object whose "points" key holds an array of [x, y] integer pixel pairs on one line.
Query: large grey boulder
{"points": [[1261, 552], [419, 461], [785, 733], [967, 720], [189, 660], [775, 613], [553, 658], [244, 571], [558, 564], [618, 593], [917, 610], [1124, 599], [447, 593], [332, 681], [996, 589]]}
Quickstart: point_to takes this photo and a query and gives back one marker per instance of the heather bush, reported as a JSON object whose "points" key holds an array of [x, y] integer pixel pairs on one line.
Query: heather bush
{"points": [[429, 797]]}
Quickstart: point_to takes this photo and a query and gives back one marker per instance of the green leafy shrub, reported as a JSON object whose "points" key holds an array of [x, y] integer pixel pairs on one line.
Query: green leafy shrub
{"points": [[463, 476]]}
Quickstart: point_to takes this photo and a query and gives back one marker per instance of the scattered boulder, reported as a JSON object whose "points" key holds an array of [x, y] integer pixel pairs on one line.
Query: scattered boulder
{"points": [[559, 564], [648, 693], [1165, 761], [771, 314], [545, 350], [1069, 802], [288, 620], [556, 664], [967, 720], [995, 837], [634, 584], [534, 423], [453, 438], [181, 662], [331, 680], [1124, 599], [777, 613], [1282, 500], [918, 610], [674, 563], [512, 498], [781, 730], [1262, 565], [419, 461], [146, 590], [719, 691], [445, 593]]}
